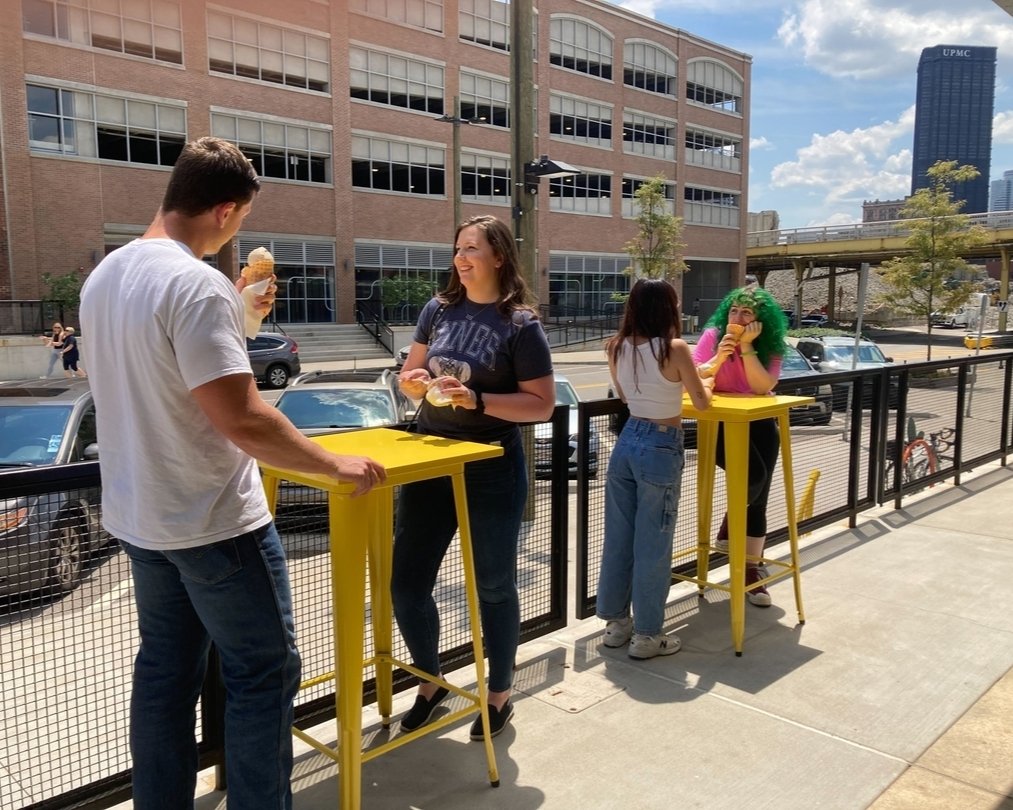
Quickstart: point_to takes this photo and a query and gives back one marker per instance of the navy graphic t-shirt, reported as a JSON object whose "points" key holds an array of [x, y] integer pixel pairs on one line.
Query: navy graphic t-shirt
{"points": [[488, 353]]}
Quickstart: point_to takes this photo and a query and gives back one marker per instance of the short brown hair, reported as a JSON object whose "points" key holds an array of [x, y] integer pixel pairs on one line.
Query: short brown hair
{"points": [[208, 172]]}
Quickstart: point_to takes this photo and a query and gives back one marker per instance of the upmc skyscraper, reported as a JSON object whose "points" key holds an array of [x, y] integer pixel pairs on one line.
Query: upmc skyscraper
{"points": [[953, 117]]}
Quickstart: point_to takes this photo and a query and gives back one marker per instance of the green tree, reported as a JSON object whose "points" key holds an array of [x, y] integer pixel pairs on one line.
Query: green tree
{"points": [[933, 276], [64, 291], [656, 252]]}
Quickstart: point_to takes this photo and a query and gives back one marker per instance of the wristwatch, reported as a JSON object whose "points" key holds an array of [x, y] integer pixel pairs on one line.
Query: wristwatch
{"points": [[479, 402]]}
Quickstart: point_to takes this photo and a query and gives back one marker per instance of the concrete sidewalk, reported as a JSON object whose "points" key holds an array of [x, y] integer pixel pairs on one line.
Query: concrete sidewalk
{"points": [[896, 693]]}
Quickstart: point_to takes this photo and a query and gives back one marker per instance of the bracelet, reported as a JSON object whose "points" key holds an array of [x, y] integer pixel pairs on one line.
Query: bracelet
{"points": [[479, 402], [746, 354]]}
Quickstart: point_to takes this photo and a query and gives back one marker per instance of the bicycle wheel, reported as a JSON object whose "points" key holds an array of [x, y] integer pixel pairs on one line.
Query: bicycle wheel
{"points": [[918, 460]]}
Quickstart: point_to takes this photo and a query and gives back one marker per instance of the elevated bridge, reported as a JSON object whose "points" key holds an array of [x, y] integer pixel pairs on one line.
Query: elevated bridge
{"points": [[843, 248]]}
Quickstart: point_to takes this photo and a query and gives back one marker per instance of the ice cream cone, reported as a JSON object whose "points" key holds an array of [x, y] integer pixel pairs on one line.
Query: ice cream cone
{"points": [[259, 265]]}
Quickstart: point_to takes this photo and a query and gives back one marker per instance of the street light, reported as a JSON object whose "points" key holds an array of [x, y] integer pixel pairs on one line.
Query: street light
{"points": [[544, 168], [455, 175]]}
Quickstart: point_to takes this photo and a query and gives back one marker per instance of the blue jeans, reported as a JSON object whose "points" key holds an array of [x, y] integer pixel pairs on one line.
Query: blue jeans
{"points": [[641, 507], [236, 594], [426, 522]]}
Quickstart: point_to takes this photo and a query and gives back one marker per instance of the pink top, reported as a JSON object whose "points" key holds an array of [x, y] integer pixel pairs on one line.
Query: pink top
{"points": [[731, 377]]}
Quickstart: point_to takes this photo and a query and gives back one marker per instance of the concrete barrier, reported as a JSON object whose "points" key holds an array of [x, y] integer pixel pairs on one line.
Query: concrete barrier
{"points": [[23, 357]]}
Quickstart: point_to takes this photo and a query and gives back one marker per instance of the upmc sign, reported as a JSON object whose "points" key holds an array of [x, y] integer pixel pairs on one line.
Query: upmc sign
{"points": [[958, 52]]}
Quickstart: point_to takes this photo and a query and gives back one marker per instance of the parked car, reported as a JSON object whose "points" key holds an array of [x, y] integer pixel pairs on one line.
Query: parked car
{"points": [[831, 353], [950, 320], [45, 540], [815, 319], [401, 356], [332, 401], [796, 380], [566, 394], [275, 358]]}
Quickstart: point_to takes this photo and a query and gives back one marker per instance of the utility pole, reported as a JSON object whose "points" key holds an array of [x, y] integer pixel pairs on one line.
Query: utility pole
{"points": [[522, 129], [453, 173]]}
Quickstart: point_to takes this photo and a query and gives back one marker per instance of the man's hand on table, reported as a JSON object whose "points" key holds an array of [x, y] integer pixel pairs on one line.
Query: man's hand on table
{"points": [[359, 470]]}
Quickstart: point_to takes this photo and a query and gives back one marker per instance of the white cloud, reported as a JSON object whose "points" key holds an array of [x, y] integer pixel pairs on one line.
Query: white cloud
{"points": [[844, 168], [759, 143], [866, 39], [1002, 128]]}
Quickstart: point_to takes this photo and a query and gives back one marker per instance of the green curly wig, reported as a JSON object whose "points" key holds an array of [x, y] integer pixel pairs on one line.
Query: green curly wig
{"points": [[770, 342]]}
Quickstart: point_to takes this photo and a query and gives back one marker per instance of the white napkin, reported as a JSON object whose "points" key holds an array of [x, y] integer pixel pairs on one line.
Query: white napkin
{"points": [[253, 318]]}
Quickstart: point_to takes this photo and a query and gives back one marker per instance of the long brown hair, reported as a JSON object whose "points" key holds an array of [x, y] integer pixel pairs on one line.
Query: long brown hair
{"points": [[652, 311], [513, 290]]}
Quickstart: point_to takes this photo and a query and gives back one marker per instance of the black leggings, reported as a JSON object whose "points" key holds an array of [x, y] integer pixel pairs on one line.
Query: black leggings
{"points": [[764, 446]]}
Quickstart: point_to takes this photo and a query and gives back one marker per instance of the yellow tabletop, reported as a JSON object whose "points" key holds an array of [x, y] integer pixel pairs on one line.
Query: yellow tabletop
{"points": [[743, 407], [407, 457]]}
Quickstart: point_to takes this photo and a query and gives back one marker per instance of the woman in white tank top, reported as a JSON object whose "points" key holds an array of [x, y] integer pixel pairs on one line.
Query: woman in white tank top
{"points": [[650, 366]]}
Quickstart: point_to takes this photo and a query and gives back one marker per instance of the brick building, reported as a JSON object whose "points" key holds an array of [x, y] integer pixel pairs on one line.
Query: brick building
{"points": [[339, 105]]}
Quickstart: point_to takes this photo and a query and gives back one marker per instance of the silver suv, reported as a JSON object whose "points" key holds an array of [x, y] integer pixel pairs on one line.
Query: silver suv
{"points": [[46, 540]]}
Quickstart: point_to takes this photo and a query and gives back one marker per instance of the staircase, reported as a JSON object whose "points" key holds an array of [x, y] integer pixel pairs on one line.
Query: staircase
{"points": [[321, 342]]}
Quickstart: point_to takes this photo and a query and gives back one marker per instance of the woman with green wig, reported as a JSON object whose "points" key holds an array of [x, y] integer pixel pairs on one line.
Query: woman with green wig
{"points": [[741, 347]]}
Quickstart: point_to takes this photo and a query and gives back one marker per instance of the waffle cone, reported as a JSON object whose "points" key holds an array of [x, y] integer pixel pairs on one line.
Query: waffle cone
{"points": [[736, 329], [258, 271]]}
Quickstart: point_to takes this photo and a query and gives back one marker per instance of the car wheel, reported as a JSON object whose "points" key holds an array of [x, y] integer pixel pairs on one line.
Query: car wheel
{"points": [[276, 376], [823, 420], [66, 560]]}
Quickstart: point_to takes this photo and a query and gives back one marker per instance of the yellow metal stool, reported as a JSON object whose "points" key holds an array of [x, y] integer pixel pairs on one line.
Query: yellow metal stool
{"points": [[361, 533], [735, 412]]}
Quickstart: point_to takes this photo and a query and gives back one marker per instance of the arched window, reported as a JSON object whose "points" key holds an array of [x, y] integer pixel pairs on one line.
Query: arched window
{"points": [[714, 85], [649, 67], [578, 45]]}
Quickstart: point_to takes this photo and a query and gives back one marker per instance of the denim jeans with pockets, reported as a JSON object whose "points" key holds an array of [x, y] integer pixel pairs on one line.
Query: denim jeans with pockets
{"points": [[641, 507], [236, 594]]}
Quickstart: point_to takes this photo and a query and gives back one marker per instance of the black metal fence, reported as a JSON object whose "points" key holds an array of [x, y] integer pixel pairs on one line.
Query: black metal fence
{"points": [[918, 424], [67, 641]]}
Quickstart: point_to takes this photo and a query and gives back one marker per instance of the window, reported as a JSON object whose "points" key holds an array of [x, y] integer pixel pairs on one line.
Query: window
{"points": [[485, 178], [713, 150], [630, 207], [396, 80], [148, 28], [585, 284], [582, 193], [256, 50], [406, 168], [647, 135], [485, 97], [714, 85], [485, 22], [427, 14], [705, 206], [580, 46], [649, 67], [287, 151], [305, 271], [582, 121], [375, 262], [95, 125]]}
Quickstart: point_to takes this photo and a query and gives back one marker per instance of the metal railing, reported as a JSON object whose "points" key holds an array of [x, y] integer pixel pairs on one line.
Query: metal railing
{"points": [[562, 331], [370, 316], [68, 652]]}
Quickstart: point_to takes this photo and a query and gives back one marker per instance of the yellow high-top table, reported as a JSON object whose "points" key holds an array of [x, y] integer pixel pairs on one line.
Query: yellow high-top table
{"points": [[361, 530], [735, 412]]}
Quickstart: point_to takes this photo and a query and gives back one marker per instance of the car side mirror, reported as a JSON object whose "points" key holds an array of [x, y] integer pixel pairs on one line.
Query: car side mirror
{"points": [[888, 359], [91, 452]]}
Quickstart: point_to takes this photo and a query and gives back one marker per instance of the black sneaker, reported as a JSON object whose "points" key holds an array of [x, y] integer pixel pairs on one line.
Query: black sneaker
{"points": [[498, 718], [419, 714]]}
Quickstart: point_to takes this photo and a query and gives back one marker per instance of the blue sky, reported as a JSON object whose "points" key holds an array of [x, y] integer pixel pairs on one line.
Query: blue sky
{"points": [[833, 91]]}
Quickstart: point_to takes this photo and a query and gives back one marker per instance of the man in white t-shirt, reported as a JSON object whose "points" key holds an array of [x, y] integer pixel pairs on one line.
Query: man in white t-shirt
{"points": [[180, 424]]}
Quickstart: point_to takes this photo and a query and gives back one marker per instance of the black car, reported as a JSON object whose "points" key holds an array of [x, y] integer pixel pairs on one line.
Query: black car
{"points": [[275, 358], [45, 540]]}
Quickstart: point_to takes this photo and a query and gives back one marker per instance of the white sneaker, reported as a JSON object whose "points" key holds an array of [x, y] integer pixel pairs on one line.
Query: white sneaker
{"points": [[617, 633], [643, 647], [721, 545]]}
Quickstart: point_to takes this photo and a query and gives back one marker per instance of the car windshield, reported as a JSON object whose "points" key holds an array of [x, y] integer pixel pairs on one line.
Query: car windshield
{"points": [[565, 395], [866, 354], [344, 408], [793, 361], [31, 435]]}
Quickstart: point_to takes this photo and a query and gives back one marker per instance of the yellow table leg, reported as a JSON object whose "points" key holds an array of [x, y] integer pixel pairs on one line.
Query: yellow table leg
{"points": [[350, 524], [381, 557], [471, 590], [789, 497], [706, 453], [737, 482]]}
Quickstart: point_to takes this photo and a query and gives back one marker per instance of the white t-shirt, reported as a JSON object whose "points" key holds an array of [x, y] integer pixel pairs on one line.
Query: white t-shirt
{"points": [[160, 323]]}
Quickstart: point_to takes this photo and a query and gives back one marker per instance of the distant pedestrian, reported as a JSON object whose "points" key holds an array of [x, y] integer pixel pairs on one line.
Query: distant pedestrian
{"points": [[71, 354], [54, 342]]}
